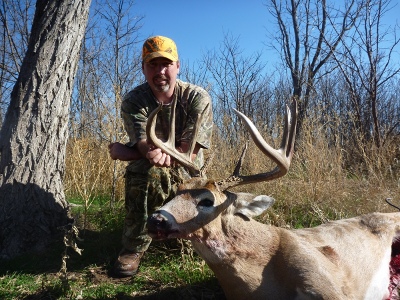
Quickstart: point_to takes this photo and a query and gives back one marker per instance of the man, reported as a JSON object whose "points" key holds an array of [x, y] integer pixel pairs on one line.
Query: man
{"points": [[152, 176]]}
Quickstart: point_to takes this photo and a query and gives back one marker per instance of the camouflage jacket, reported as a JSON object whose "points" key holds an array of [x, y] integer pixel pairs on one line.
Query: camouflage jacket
{"points": [[191, 100]]}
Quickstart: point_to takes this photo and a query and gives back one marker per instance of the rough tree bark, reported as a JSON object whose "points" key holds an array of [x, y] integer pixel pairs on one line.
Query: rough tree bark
{"points": [[34, 135]]}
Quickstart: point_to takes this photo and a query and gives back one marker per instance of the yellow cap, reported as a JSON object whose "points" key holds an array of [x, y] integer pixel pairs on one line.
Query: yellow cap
{"points": [[159, 46]]}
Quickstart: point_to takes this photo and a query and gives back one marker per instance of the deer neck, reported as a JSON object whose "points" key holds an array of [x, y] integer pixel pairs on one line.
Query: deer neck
{"points": [[235, 251], [238, 240]]}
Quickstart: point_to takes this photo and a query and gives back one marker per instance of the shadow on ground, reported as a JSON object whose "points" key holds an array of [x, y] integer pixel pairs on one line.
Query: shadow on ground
{"points": [[99, 252], [99, 248]]}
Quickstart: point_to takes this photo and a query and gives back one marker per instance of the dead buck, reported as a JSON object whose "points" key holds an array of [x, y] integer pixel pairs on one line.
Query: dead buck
{"points": [[344, 259]]}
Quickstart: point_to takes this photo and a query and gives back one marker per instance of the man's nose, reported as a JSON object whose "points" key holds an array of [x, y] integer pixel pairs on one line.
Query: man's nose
{"points": [[161, 68]]}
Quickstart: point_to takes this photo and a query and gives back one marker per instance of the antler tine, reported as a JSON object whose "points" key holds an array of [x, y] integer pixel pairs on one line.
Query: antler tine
{"points": [[282, 156], [196, 129], [239, 164], [169, 146], [289, 135], [171, 134]]}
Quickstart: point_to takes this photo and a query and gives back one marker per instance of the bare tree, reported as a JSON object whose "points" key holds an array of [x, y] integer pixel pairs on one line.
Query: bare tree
{"points": [[195, 72], [109, 66], [15, 19], [122, 66], [33, 139], [236, 82], [366, 63], [306, 40]]}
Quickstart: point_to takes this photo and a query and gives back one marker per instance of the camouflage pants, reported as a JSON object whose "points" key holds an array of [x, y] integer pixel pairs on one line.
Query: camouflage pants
{"points": [[147, 188]]}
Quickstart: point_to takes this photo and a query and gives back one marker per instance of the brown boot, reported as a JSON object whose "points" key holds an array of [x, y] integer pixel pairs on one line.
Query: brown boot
{"points": [[127, 263]]}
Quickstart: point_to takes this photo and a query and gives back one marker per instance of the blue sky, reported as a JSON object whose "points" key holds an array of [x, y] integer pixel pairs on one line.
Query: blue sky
{"points": [[198, 26]]}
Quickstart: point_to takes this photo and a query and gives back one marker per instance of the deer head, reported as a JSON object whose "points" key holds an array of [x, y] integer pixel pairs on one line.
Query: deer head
{"points": [[200, 201]]}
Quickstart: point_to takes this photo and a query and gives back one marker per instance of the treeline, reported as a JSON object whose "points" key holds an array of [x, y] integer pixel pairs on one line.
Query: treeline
{"points": [[340, 62]]}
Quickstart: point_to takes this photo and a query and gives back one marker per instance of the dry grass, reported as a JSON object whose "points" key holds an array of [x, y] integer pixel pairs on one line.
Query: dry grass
{"points": [[323, 183]]}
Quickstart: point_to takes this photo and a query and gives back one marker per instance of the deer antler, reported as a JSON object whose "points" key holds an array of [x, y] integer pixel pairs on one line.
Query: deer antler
{"points": [[282, 156], [169, 146]]}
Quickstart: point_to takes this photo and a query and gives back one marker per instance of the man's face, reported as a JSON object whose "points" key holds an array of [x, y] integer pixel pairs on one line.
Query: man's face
{"points": [[161, 74]]}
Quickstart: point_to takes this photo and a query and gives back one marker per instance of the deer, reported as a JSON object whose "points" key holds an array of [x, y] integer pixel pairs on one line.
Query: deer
{"points": [[354, 258]]}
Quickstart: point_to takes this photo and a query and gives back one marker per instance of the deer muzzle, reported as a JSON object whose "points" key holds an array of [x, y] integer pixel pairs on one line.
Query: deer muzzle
{"points": [[159, 226]]}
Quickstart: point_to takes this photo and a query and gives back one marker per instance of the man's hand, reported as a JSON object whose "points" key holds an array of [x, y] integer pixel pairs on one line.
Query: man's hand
{"points": [[161, 159], [123, 152], [158, 158]]}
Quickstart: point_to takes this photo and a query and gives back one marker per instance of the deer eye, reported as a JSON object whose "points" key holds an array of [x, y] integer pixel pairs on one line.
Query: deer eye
{"points": [[206, 202]]}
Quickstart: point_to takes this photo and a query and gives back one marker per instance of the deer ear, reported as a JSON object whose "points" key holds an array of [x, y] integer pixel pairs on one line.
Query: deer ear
{"points": [[250, 205]]}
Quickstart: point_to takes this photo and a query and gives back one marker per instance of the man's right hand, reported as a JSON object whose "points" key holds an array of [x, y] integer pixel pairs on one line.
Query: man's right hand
{"points": [[123, 152]]}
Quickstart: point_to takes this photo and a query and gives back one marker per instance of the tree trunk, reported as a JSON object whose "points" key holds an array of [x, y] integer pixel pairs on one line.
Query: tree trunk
{"points": [[34, 135]]}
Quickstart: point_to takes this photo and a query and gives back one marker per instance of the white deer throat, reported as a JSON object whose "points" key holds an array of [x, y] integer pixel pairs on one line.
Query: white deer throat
{"points": [[212, 250], [219, 250]]}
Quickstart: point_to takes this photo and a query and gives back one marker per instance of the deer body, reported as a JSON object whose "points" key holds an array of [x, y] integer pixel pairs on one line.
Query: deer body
{"points": [[344, 259]]}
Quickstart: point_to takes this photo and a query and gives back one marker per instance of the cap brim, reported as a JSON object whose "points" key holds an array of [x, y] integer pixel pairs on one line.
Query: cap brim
{"points": [[153, 55]]}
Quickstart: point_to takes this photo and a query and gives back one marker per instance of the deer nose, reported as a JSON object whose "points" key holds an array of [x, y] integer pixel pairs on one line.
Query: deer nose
{"points": [[157, 220]]}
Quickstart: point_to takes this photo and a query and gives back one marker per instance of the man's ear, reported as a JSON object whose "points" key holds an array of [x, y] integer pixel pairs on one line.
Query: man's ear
{"points": [[249, 205]]}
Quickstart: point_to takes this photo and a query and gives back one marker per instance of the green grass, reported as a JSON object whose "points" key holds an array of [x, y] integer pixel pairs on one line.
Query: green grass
{"points": [[168, 270]]}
